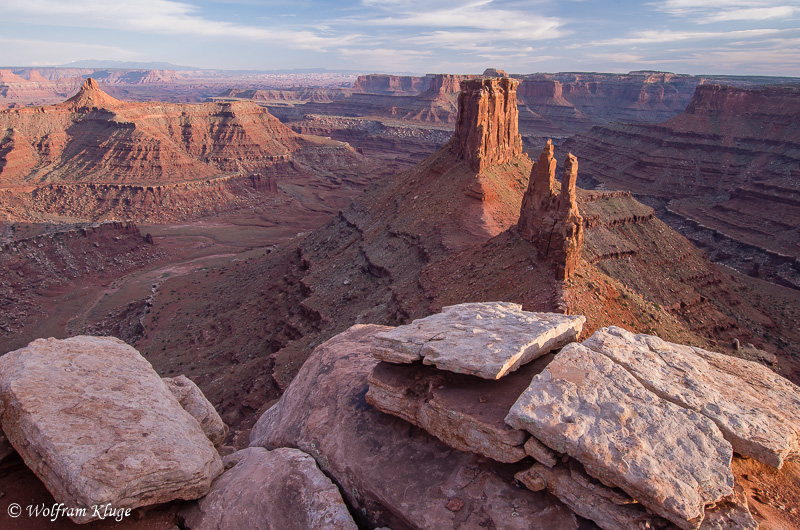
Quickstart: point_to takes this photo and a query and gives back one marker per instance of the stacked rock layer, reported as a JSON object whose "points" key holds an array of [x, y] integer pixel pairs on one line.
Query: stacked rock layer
{"points": [[627, 430]]}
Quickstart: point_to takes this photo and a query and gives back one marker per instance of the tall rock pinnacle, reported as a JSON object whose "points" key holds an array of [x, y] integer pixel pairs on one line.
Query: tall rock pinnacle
{"points": [[486, 129], [550, 218]]}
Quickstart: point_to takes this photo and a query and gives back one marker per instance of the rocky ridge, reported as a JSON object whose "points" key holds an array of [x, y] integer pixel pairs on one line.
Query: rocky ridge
{"points": [[97, 157]]}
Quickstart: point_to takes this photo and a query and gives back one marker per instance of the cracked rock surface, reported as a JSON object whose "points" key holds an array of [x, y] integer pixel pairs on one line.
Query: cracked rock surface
{"points": [[486, 339], [757, 410], [280, 489], [672, 460]]}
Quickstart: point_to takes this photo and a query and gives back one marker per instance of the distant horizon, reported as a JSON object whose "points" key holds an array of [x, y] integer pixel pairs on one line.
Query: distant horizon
{"points": [[694, 37], [150, 65]]}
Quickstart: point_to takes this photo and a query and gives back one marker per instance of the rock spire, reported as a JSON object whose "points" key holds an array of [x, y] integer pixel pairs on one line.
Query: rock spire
{"points": [[90, 96], [486, 128], [549, 217]]}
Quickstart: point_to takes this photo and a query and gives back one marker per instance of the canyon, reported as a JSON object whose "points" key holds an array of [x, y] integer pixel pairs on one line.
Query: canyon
{"points": [[257, 258], [724, 173]]}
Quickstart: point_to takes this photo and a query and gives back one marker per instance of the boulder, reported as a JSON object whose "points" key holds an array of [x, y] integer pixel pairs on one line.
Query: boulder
{"points": [[464, 411], [609, 508], [195, 403], [5, 447], [98, 426], [672, 460], [280, 489], [757, 410], [391, 472], [486, 339]]}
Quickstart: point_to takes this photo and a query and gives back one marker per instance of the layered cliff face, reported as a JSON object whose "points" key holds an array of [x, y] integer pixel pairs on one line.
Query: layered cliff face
{"points": [[724, 172], [486, 129], [18, 91], [398, 85], [94, 156]]}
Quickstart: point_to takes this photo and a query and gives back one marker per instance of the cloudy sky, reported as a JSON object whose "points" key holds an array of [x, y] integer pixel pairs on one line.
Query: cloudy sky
{"points": [[421, 36]]}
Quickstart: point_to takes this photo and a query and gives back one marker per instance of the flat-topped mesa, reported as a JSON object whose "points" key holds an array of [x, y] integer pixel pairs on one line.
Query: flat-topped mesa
{"points": [[486, 129], [549, 218]]}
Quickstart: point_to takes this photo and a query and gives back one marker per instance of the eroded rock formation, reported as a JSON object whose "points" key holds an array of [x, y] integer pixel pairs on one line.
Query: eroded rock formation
{"points": [[728, 183], [96, 157], [486, 128], [393, 475], [549, 217], [88, 414]]}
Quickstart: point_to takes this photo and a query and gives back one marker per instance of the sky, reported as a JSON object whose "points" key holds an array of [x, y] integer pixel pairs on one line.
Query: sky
{"points": [[744, 37]]}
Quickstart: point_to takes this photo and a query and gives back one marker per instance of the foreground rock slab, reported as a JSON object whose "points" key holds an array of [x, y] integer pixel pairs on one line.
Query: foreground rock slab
{"points": [[195, 403], [391, 472], [463, 411], [98, 426], [280, 489], [757, 410], [486, 339], [672, 460], [610, 509]]}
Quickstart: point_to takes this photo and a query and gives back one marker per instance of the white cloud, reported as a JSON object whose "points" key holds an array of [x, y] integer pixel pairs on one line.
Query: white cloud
{"points": [[22, 52], [159, 16], [661, 36], [708, 11], [510, 24]]}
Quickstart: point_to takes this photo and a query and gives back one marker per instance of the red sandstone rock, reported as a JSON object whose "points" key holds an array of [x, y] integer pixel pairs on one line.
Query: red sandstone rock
{"points": [[486, 129], [550, 219], [281, 489]]}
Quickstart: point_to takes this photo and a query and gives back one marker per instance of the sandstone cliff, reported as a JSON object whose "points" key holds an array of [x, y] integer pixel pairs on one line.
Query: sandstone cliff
{"points": [[724, 172], [94, 156]]}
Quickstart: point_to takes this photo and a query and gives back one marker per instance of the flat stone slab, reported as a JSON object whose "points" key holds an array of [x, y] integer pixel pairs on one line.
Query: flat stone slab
{"points": [[672, 460], [394, 474], [757, 410], [282, 489], [487, 339], [98, 426], [463, 411]]}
